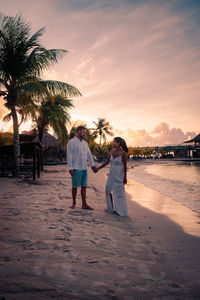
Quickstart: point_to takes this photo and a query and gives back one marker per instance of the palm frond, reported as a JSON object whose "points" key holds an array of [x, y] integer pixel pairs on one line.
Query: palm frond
{"points": [[63, 102], [33, 41], [62, 88], [7, 117], [42, 58], [34, 88]]}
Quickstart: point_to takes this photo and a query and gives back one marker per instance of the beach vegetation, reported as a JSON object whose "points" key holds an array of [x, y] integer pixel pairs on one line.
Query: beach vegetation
{"points": [[6, 138], [50, 113], [54, 114], [137, 151], [89, 137], [102, 128], [148, 152], [101, 152], [22, 61]]}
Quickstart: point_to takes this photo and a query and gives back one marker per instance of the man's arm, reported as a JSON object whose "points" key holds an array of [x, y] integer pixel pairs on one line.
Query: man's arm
{"points": [[91, 161], [69, 157]]}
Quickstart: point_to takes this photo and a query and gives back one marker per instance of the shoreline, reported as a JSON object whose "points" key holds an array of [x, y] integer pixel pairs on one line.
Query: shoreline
{"points": [[186, 218], [177, 192], [167, 232], [157, 202], [50, 251]]}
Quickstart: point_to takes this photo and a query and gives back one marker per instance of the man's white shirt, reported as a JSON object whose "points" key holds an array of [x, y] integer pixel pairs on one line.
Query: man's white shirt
{"points": [[78, 154]]}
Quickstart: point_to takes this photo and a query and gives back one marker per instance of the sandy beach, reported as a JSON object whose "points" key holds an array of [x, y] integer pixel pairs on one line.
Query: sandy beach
{"points": [[49, 251]]}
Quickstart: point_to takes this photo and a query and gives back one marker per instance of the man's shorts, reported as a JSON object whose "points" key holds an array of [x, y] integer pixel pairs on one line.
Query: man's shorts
{"points": [[79, 178]]}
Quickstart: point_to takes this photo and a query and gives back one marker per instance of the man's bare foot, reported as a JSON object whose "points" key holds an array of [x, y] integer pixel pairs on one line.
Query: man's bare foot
{"points": [[87, 207], [73, 206]]}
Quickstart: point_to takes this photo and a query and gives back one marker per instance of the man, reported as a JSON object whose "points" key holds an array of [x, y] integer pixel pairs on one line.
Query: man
{"points": [[78, 154]]}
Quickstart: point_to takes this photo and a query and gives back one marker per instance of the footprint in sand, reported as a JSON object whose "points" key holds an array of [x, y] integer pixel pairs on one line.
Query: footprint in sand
{"points": [[92, 261], [35, 245], [68, 228], [121, 267], [52, 227], [80, 213], [14, 212], [65, 233], [6, 228], [64, 197], [61, 183], [105, 261], [56, 210], [7, 258], [61, 238], [96, 243], [66, 249], [105, 237]]}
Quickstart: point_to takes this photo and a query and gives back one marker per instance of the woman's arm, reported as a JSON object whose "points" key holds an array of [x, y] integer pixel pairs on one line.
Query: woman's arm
{"points": [[105, 163], [124, 159]]}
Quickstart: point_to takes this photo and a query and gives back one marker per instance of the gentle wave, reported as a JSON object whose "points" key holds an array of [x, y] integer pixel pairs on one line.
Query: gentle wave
{"points": [[180, 182]]}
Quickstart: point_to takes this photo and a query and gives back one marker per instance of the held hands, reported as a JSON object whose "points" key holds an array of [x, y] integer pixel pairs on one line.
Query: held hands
{"points": [[94, 169]]}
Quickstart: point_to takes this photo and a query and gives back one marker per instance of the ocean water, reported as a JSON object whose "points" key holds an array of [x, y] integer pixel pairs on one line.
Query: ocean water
{"points": [[177, 180]]}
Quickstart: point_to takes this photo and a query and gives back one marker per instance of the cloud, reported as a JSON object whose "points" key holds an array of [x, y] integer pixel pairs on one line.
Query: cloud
{"points": [[161, 135]]}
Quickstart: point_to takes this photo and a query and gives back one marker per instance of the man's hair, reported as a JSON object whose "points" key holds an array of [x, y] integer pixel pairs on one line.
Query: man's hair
{"points": [[79, 128]]}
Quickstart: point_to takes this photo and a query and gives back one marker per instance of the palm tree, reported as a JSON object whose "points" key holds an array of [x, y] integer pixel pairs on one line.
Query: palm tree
{"points": [[89, 137], [51, 113], [102, 129], [55, 115], [22, 60]]}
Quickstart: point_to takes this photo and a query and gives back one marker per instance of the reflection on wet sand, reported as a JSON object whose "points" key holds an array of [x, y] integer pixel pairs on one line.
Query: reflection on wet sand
{"points": [[155, 201]]}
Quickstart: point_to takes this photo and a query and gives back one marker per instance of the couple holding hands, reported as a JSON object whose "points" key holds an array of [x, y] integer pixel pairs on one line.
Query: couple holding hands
{"points": [[78, 155]]}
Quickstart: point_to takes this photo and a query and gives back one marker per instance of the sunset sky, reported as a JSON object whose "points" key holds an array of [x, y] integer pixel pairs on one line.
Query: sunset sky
{"points": [[136, 62]]}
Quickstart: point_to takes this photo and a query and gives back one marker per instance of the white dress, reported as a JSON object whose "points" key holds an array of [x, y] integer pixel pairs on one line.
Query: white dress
{"points": [[117, 202]]}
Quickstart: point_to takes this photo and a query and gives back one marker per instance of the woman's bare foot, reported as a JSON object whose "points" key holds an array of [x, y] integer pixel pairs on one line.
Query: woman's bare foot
{"points": [[115, 213], [87, 207]]}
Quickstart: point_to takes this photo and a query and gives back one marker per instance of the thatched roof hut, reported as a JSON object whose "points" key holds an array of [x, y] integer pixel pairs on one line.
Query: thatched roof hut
{"points": [[52, 149], [48, 141]]}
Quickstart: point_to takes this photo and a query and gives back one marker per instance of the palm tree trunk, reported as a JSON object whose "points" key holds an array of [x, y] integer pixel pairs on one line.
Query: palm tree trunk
{"points": [[100, 140], [40, 134], [16, 153]]}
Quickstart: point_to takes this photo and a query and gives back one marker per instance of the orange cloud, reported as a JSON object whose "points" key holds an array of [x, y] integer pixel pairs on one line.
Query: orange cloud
{"points": [[161, 135]]}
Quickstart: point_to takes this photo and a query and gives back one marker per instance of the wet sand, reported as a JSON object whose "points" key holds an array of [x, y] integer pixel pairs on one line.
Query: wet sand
{"points": [[50, 251], [153, 200], [172, 229]]}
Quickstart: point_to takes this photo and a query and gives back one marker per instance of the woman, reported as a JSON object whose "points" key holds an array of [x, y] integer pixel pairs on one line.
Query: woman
{"points": [[117, 203]]}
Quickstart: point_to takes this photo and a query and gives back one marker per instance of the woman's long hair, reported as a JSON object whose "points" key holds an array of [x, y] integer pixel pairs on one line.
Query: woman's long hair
{"points": [[122, 143]]}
